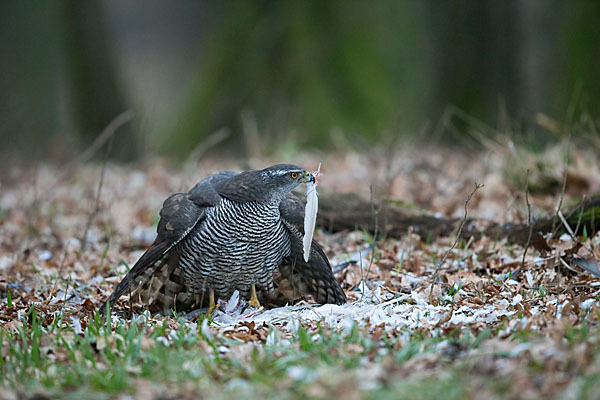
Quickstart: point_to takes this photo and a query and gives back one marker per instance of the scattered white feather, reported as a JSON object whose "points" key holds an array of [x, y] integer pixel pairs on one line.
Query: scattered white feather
{"points": [[76, 325], [517, 299], [44, 255], [310, 213], [587, 303], [206, 330], [271, 337], [396, 315], [233, 302], [529, 276]]}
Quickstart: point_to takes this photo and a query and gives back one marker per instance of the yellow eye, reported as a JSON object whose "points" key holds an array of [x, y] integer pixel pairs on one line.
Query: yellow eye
{"points": [[294, 175]]}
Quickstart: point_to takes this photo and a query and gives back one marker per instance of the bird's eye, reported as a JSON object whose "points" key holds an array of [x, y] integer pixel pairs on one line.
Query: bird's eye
{"points": [[294, 175]]}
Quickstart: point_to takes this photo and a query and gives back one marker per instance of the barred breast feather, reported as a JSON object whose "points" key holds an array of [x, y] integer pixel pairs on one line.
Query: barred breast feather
{"points": [[235, 246]]}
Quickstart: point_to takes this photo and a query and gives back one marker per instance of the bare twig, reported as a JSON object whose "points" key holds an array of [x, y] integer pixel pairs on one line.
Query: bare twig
{"points": [[572, 234], [310, 307], [480, 131], [32, 213], [567, 266], [206, 144], [62, 308], [375, 210], [566, 225], [580, 214], [460, 228], [528, 220], [97, 144], [62, 263], [593, 226], [557, 284], [362, 273], [564, 185], [389, 175], [93, 214]]}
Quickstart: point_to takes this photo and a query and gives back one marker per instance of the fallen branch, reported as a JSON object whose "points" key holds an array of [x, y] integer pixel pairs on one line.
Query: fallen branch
{"points": [[348, 212]]}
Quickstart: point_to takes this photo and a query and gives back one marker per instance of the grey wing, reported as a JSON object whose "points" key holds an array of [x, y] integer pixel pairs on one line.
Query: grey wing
{"points": [[314, 277], [157, 269], [178, 216], [204, 192], [243, 187]]}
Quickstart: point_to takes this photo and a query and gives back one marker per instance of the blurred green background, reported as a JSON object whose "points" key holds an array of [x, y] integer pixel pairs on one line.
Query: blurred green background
{"points": [[267, 74]]}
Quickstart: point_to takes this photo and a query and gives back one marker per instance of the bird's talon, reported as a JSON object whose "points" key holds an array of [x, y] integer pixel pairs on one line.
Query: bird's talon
{"points": [[253, 302], [212, 305]]}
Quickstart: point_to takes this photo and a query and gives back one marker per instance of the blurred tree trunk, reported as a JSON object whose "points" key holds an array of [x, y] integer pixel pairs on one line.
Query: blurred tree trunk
{"points": [[91, 78], [474, 48], [30, 51], [535, 59], [577, 58]]}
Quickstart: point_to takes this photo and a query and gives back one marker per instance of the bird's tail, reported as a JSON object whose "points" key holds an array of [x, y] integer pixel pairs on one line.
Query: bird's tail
{"points": [[156, 283]]}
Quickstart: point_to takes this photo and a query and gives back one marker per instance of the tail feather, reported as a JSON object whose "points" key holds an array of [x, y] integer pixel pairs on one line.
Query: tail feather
{"points": [[155, 281], [172, 294]]}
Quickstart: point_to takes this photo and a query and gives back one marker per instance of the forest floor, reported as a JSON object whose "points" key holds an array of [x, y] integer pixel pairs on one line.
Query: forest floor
{"points": [[425, 319]]}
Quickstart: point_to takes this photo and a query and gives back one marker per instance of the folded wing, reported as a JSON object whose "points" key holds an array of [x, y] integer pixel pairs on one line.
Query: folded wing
{"points": [[314, 276]]}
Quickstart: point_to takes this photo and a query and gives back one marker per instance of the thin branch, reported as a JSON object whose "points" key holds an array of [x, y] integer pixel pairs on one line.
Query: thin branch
{"points": [[557, 283], [580, 214], [62, 263], [572, 234], [375, 210], [460, 228], [100, 140], [64, 304], [566, 225], [528, 220], [593, 233], [564, 186], [93, 214], [206, 144], [362, 272]]}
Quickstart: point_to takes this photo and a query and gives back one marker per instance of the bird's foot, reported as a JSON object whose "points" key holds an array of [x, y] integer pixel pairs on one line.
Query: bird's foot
{"points": [[212, 305], [253, 302]]}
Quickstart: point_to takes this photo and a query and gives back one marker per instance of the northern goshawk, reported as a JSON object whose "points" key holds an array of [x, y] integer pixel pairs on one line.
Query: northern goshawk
{"points": [[231, 231]]}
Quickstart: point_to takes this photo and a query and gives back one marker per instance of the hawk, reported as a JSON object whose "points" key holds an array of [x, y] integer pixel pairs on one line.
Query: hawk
{"points": [[231, 231]]}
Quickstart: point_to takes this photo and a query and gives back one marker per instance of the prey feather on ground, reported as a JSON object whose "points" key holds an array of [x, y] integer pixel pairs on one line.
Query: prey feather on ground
{"points": [[310, 212]]}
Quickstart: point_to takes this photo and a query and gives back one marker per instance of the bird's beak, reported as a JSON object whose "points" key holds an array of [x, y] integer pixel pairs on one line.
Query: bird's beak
{"points": [[308, 177]]}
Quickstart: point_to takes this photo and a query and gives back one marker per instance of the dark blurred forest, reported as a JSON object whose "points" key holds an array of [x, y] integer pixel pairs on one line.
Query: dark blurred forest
{"points": [[265, 74]]}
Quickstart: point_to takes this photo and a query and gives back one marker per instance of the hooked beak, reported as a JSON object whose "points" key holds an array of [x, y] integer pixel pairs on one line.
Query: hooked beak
{"points": [[308, 177]]}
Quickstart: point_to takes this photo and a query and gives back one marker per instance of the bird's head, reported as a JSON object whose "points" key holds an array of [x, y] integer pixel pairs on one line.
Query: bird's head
{"points": [[271, 184], [281, 179]]}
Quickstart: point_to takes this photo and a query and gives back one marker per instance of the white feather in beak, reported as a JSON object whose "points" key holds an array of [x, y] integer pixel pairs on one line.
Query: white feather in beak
{"points": [[310, 212]]}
